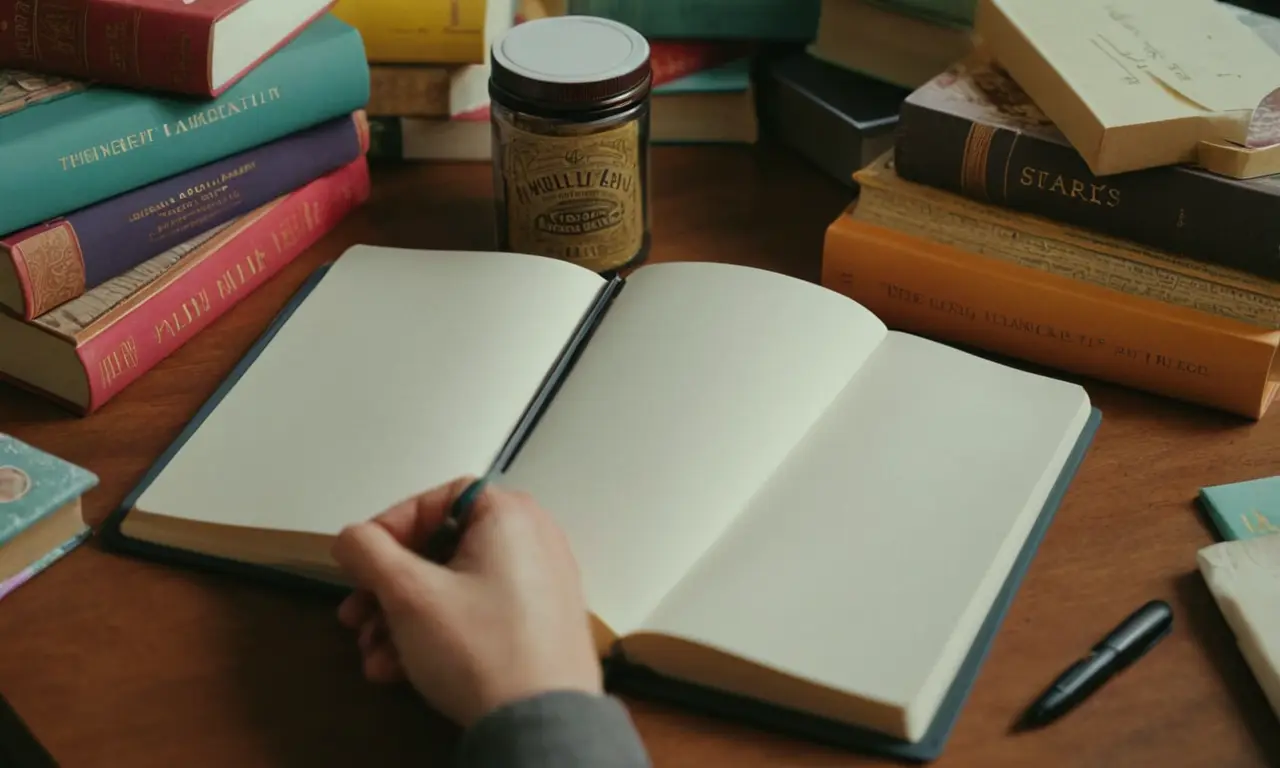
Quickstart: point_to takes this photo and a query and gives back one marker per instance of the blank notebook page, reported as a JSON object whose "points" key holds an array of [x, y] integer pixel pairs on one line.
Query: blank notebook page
{"points": [[694, 388], [400, 371], [870, 560]]}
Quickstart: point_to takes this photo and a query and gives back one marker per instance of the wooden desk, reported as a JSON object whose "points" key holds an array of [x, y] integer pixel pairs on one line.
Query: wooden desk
{"points": [[118, 662]]}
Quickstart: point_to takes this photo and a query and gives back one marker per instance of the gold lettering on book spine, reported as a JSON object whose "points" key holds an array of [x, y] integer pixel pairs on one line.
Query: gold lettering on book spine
{"points": [[54, 267], [1259, 524], [973, 167], [24, 40], [123, 358], [59, 28]]}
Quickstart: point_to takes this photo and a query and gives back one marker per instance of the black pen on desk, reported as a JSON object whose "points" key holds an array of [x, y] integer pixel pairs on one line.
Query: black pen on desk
{"points": [[1125, 644], [444, 541]]}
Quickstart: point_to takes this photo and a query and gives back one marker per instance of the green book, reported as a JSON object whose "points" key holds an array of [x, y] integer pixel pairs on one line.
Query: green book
{"points": [[71, 146], [40, 517], [774, 20], [1244, 510]]}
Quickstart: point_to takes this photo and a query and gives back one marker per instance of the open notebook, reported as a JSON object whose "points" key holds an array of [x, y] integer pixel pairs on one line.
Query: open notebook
{"points": [[770, 495]]}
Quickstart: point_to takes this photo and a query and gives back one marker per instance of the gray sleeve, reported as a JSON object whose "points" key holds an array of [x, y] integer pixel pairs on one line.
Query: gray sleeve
{"points": [[563, 729]]}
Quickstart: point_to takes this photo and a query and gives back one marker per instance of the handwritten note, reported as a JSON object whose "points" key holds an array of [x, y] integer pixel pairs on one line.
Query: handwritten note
{"points": [[1193, 47], [1139, 61]]}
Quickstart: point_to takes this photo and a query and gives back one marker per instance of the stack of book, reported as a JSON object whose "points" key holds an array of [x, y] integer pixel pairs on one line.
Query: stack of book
{"points": [[161, 162], [429, 73], [902, 42], [836, 102], [429, 64], [703, 54], [991, 224]]}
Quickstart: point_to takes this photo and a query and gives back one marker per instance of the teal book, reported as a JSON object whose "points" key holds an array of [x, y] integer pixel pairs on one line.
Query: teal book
{"points": [[40, 516], [733, 77], [63, 153], [711, 106], [772, 20], [1244, 510]]}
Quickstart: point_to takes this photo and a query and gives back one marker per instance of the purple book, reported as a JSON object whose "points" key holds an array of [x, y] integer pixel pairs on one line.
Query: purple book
{"points": [[55, 262]]}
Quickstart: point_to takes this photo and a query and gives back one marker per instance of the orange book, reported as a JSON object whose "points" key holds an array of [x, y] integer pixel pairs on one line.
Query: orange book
{"points": [[959, 297]]}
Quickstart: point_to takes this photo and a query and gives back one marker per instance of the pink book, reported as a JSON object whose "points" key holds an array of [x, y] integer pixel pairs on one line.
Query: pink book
{"points": [[83, 353]]}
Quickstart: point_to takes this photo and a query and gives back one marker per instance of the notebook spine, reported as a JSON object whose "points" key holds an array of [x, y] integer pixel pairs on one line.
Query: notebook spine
{"points": [[558, 372], [191, 296], [955, 296]]}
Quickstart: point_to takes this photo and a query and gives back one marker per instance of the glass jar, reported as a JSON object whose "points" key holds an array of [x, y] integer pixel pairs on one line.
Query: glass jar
{"points": [[570, 130]]}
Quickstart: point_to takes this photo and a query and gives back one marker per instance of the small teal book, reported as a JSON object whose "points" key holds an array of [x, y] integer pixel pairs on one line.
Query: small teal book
{"points": [[1244, 510], [733, 77], [86, 145], [40, 511], [770, 20]]}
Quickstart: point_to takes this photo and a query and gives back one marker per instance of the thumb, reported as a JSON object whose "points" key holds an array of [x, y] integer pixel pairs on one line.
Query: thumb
{"points": [[376, 561]]}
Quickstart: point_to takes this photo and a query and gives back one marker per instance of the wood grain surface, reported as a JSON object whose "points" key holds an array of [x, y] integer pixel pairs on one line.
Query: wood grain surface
{"points": [[114, 661]]}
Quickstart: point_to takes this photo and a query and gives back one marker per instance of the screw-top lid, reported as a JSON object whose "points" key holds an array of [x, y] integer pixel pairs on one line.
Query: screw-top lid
{"points": [[572, 61]]}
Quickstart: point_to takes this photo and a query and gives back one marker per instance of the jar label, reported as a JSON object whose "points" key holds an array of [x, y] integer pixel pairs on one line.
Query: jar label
{"points": [[577, 198]]}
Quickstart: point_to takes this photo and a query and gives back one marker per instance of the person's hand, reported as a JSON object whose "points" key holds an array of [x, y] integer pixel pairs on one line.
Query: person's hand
{"points": [[505, 620]]}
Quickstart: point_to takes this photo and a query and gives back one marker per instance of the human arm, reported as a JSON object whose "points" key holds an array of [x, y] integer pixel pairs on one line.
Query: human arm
{"points": [[498, 639], [559, 729]]}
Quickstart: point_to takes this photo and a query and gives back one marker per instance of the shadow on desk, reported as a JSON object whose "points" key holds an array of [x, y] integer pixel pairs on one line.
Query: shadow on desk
{"points": [[295, 684], [1210, 630]]}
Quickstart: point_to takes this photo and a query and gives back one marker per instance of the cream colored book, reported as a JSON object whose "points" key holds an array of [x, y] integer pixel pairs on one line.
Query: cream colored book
{"points": [[881, 42], [769, 493], [1244, 578], [1138, 84]]}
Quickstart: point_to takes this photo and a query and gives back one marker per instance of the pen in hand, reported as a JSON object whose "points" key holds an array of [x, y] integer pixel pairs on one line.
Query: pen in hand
{"points": [[1125, 644], [443, 543]]}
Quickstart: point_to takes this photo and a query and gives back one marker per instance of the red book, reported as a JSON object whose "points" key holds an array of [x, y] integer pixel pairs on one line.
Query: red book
{"points": [[195, 47], [85, 352], [674, 59], [668, 59]]}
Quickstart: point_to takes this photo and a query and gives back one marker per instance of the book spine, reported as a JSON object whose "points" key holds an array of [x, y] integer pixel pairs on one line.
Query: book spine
{"points": [[1049, 246], [409, 91], [62, 259], [814, 129], [417, 32], [69, 153], [115, 43], [42, 564], [672, 60], [215, 280], [1184, 211], [958, 297], [770, 20]]}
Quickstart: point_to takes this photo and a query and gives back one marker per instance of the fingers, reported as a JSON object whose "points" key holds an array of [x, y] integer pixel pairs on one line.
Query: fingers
{"points": [[412, 521], [377, 562], [358, 607], [381, 661], [382, 665], [373, 634]]}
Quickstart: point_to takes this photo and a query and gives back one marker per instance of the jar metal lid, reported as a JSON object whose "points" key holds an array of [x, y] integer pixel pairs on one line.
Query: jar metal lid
{"points": [[572, 61]]}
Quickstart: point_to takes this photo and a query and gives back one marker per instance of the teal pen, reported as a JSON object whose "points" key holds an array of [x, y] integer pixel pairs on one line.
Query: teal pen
{"points": [[444, 541]]}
